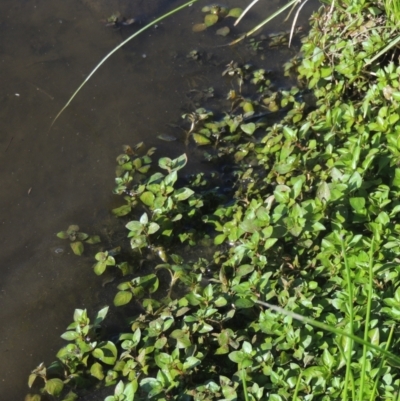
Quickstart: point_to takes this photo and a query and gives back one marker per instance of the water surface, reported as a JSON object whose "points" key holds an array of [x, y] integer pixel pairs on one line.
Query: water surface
{"points": [[50, 179]]}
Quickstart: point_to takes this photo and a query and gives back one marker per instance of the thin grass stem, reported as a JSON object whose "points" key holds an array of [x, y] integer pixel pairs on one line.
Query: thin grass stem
{"points": [[117, 48], [384, 50], [245, 11], [244, 384], [367, 320], [394, 358], [261, 24], [351, 317], [381, 364], [296, 390], [294, 22]]}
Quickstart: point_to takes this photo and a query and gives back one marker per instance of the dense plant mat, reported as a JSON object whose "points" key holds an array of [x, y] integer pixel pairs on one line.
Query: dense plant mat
{"points": [[300, 216]]}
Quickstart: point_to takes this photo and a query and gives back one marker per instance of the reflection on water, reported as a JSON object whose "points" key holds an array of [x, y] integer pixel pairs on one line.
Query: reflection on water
{"points": [[51, 179]]}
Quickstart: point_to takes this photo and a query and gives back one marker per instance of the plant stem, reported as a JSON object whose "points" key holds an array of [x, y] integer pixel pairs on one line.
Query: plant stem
{"points": [[246, 396], [261, 24], [296, 390], [367, 320], [351, 313], [382, 362]]}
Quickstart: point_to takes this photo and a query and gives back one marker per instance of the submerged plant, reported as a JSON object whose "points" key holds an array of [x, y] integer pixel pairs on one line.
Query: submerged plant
{"points": [[77, 238]]}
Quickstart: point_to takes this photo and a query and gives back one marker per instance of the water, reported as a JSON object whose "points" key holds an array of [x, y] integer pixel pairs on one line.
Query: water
{"points": [[51, 179]]}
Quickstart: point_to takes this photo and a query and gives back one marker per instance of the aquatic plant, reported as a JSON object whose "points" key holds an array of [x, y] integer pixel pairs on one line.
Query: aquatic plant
{"points": [[293, 290]]}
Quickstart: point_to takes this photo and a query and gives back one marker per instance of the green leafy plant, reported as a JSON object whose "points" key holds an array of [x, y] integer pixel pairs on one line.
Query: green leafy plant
{"points": [[275, 275], [78, 238]]}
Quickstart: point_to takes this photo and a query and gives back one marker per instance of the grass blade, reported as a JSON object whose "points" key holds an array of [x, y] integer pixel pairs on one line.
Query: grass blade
{"points": [[261, 24], [117, 48], [392, 357], [367, 320]]}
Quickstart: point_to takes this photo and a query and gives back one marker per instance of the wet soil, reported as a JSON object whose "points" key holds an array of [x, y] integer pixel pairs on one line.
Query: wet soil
{"points": [[50, 179]]}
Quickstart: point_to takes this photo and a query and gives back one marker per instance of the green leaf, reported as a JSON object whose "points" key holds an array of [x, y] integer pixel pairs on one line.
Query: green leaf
{"points": [[210, 19], [144, 219], [327, 359], [153, 227], [96, 370], [357, 203], [374, 336], [31, 379], [199, 27], [122, 210], [219, 239], [165, 163], [191, 362], [70, 397], [323, 192], [246, 347], [201, 139], [243, 303], [122, 298], [54, 386], [243, 270], [248, 128], [70, 335], [93, 239], [224, 31], [235, 12], [152, 386], [107, 353], [130, 390], [183, 194], [147, 198], [100, 267], [63, 235], [135, 226], [269, 243], [237, 356], [101, 315], [77, 247], [182, 338], [32, 397]]}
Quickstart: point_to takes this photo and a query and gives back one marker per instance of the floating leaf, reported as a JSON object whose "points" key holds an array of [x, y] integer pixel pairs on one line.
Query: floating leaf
{"points": [[99, 268], [199, 27], [93, 239], [77, 247], [224, 31], [62, 235], [122, 298], [122, 210], [210, 19], [167, 137], [235, 12]]}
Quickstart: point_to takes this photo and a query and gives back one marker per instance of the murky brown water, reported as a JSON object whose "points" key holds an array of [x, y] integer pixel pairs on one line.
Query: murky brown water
{"points": [[50, 179]]}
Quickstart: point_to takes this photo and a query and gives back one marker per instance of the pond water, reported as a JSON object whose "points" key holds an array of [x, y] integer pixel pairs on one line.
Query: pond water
{"points": [[53, 178]]}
